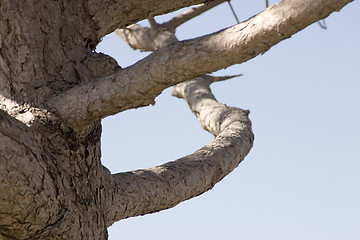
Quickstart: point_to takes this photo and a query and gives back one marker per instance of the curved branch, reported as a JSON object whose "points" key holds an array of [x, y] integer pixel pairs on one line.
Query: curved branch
{"points": [[139, 84], [112, 14], [150, 190]]}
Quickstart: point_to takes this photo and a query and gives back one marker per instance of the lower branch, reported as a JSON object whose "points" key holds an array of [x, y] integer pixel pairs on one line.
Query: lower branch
{"points": [[154, 189]]}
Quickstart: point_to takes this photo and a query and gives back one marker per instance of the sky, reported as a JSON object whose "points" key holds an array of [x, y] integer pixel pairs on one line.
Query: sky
{"points": [[301, 178]]}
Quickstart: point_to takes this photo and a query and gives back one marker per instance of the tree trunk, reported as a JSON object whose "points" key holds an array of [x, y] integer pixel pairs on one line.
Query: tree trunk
{"points": [[54, 91], [51, 177]]}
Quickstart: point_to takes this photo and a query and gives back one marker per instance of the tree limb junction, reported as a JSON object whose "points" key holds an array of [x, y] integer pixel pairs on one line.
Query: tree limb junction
{"points": [[139, 84]]}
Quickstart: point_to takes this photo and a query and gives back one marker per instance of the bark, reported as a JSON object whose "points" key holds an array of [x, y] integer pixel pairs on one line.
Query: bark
{"points": [[54, 91], [139, 84], [111, 14], [47, 192], [189, 14], [174, 182]]}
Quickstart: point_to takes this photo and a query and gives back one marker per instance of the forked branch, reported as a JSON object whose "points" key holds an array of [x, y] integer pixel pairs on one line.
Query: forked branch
{"points": [[139, 84], [150, 190]]}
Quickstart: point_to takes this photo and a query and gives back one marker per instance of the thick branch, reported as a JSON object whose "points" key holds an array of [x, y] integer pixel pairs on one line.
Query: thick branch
{"points": [[112, 14], [139, 84], [150, 190]]}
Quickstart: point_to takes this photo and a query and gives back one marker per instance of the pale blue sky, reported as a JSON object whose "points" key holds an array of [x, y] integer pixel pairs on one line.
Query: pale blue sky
{"points": [[300, 180]]}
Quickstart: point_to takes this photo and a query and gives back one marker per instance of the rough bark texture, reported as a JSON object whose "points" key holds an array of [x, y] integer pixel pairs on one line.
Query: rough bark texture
{"points": [[54, 90], [139, 84], [174, 182]]}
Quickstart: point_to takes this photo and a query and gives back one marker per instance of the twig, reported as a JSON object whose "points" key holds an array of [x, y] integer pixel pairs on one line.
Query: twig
{"points": [[220, 78], [154, 25], [232, 9], [322, 24]]}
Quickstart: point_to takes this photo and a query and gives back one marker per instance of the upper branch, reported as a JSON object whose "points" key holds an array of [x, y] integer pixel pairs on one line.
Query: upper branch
{"points": [[150, 190], [160, 35], [112, 14], [190, 14], [140, 83]]}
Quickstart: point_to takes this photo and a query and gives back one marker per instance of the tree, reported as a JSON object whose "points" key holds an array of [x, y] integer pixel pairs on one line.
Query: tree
{"points": [[55, 90]]}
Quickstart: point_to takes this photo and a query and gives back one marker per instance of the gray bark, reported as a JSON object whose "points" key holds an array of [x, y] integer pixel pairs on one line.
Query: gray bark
{"points": [[174, 182], [187, 59], [54, 91]]}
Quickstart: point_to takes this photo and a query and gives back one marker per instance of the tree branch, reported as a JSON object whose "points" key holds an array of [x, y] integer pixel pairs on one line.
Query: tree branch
{"points": [[221, 78], [112, 14], [147, 39], [190, 14], [140, 83], [150, 190], [137, 37]]}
